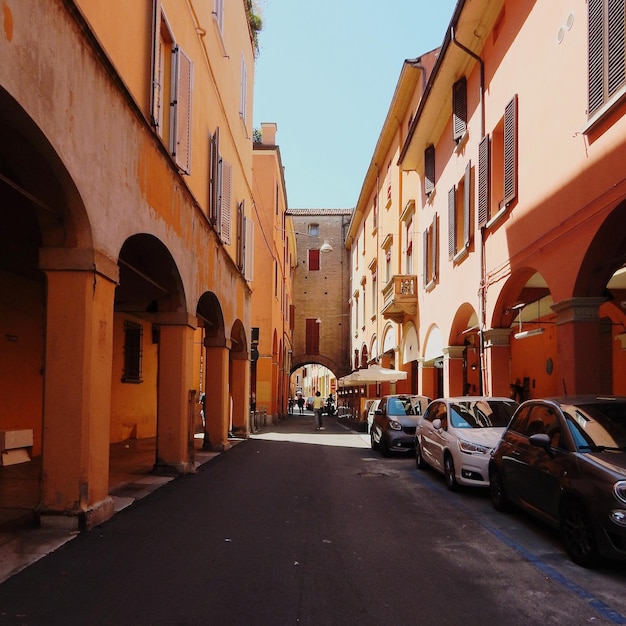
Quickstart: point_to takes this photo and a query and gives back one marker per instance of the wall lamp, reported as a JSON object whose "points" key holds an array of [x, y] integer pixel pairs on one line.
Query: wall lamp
{"points": [[522, 334]]}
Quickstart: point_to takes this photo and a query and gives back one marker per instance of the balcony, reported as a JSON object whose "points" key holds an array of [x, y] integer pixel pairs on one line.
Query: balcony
{"points": [[400, 298]]}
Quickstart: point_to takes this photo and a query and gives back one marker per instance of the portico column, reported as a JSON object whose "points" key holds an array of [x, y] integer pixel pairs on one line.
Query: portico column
{"points": [[239, 387], [580, 348], [427, 379], [175, 379], [77, 387], [496, 362], [217, 418], [453, 359]]}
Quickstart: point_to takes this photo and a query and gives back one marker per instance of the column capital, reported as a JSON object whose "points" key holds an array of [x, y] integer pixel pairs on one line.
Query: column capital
{"points": [[79, 260], [495, 337], [176, 318], [454, 352], [577, 310]]}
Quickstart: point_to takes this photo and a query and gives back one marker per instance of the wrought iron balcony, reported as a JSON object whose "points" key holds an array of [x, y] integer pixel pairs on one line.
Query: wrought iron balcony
{"points": [[400, 298]]}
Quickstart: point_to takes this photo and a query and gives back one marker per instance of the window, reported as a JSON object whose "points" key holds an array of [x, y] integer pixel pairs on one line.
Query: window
{"points": [[245, 242], [388, 270], [607, 59], [243, 100], [312, 336], [218, 14], [497, 166], [430, 253], [133, 337], [429, 170], [225, 199], [459, 212], [314, 260], [172, 74], [313, 230], [388, 185], [409, 248], [374, 293], [459, 109]]}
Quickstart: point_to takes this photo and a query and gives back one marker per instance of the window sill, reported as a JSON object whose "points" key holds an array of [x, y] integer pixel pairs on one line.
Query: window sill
{"points": [[604, 110], [461, 254]]}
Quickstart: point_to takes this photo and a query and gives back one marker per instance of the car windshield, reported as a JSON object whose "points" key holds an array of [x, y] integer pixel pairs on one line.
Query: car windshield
{"points": [[482, 413], [400, 406], [600, 426]]}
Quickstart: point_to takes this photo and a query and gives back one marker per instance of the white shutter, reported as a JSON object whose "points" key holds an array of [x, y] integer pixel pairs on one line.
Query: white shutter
{"points": [[226, 200], [180, 140]]}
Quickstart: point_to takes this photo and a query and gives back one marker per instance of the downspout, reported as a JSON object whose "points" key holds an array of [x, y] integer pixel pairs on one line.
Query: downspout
{"points": [[483, 278]]}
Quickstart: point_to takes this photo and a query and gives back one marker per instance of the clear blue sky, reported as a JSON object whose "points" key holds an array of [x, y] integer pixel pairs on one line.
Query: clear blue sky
{"points": [[326, 74]]}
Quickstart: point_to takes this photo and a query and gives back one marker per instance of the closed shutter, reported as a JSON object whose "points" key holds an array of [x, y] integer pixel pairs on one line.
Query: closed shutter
{"points": [[214, 158], [429, 170], [312, 336], [451, 223], [181, 109], [314, 260], [435, 250], [248, 249], [225, 203], [596, 54], [483, 181], [425, 270], [240, 235], [467, 204], [459, 109], [510, 152], [155, 62], [616, 65]]}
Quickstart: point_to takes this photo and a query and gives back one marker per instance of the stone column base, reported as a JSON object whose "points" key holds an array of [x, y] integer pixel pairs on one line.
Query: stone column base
{"points": [[77, 521]]}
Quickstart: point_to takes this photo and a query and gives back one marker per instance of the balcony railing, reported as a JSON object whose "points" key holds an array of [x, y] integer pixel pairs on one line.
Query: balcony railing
{"points": [[400, 298]]}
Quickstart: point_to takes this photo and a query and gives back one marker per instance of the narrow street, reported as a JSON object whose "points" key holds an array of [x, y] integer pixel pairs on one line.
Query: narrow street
{"points": [[296, 526]]}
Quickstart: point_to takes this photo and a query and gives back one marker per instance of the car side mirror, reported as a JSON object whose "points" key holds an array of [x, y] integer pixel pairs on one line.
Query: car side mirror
{"points": [[437, 424], [541, 440]]}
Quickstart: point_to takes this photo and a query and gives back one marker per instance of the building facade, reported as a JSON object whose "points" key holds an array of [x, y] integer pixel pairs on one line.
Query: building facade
{"points": [[516, 144], [274, 266], [126, 189]]}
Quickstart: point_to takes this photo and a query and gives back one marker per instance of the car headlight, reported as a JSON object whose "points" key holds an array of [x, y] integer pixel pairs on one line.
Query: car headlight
{"points": [[472, 448], [619, 489], [395, 425]]}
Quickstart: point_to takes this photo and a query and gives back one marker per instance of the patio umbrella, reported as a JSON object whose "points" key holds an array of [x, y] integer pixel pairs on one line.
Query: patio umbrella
{"points": [[374, 374]]}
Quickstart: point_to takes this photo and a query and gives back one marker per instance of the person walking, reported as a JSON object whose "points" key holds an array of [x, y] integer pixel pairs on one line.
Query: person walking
{"points": [[318, 405], [300, 403]]}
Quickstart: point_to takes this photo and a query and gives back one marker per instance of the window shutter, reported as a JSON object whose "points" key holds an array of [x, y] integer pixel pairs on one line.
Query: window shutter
{"points": [[616, 63], [314, 260], [451, 222], [459, 109], [243, 104], [596, 54], [483, 181], [225, 204], [510, 152], [429, 170], [435, 249], [248, 249], [240, 235], [155, 93], [467, 204], [181, 109], [425, 272], [312, 336], [214, 157]]}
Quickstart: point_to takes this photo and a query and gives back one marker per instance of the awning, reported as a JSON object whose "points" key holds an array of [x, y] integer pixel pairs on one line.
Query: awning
{"points": [[373, 374]]}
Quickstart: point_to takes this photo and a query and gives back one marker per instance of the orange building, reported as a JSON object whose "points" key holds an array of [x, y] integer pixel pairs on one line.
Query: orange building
{"points": [[517, 143], [274, 264], [126, 188]]}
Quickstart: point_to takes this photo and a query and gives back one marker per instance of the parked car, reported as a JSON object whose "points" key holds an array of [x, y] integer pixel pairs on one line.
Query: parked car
{"points": [[394, 422], [563, 460], [371, 409], [458, 435]]}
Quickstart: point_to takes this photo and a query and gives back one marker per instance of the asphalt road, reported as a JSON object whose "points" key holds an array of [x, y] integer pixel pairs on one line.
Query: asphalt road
{"points": [[301, 527]]}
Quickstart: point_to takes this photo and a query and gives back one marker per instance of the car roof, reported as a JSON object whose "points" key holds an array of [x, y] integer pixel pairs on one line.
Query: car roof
{"points": [[476, 399], [580, 399]]}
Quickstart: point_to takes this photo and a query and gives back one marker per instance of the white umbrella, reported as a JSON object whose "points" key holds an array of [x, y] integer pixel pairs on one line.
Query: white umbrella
{"points": [[374, 374]]}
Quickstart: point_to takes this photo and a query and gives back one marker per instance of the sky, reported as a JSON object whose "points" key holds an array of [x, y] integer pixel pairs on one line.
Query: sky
{"points": [[326, 73]]}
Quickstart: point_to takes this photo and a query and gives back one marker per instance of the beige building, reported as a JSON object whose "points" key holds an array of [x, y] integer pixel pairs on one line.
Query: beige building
{"points": [[272, 297], [125, 264]]}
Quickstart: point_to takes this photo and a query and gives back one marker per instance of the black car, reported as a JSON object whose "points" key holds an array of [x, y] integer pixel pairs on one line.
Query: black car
{"points": [[395, 419], [563, 460]]}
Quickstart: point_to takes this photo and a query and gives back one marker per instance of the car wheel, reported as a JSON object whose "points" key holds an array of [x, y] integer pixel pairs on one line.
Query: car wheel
{"points": [[448, 470], [496, 491], [383, 446], [419, 459], [577, 534], [373, 443]]}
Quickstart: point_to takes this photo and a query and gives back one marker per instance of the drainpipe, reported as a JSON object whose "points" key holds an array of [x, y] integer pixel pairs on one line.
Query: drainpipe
{"points": [[483, 278]]}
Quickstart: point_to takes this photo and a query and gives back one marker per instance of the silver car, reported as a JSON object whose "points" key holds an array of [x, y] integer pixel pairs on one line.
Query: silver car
{"points": [[457, 436]]}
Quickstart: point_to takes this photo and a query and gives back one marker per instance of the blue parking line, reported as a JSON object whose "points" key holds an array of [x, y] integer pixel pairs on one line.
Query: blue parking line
{"points": [[614, 616]]}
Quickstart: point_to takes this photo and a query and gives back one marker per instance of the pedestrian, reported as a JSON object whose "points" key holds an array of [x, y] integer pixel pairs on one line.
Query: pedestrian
{"points": [[318, 406], [301, 403], [290, 406]]}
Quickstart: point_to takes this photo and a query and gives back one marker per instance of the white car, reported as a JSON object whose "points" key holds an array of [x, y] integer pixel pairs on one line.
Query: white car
{"points": [[370, 413], [457, 436]]}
